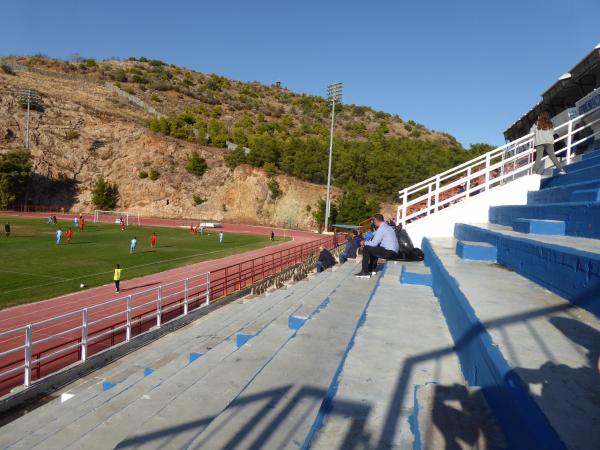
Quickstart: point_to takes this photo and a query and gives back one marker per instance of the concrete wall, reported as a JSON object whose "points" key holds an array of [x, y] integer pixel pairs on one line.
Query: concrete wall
{"points": [[472, 210]]}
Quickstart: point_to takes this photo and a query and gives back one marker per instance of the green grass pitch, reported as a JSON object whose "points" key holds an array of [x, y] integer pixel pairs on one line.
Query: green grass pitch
{"points": [[34, 268]]}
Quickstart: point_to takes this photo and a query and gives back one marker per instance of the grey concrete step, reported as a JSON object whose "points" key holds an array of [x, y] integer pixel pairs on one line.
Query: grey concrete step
{"points": [[540, 350], [403, 343], [278, 407], [175, 348], [177, 416], [80, 420]]}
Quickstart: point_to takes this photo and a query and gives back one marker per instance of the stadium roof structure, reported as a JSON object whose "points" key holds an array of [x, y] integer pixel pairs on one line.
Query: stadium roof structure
{"points": [[570, 87]]}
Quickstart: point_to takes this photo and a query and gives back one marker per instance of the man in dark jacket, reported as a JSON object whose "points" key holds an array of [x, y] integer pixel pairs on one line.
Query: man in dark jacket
{"points": [[351, 247], [325, 261]]}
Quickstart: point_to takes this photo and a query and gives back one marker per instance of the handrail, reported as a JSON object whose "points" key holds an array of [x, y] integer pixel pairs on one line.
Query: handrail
{"points": [[77, 331], [486, 171]]}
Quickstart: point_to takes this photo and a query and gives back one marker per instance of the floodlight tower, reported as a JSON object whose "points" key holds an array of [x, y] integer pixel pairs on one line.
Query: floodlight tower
{"points": [[29, 97], [334, 94]]}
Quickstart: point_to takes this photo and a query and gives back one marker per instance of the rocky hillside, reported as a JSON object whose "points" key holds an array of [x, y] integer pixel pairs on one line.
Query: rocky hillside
{"points": [[94, 121]]}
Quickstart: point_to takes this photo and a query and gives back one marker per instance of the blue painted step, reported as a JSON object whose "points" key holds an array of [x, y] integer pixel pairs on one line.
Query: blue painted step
{"points": [[581, 164], [421, 279], [581, 218], [535, 226], [586, 195], [571, 273], [560, 194], [575, 176], [593, 153], [524, 424], [476, 251]]}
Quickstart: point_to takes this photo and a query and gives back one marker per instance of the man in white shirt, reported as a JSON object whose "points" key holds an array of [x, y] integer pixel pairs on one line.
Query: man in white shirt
{"points": [[383, 245]]}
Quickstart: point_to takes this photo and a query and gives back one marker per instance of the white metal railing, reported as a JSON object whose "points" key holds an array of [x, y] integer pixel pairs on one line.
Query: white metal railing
{"points": [[84, 327], [497, 167]]}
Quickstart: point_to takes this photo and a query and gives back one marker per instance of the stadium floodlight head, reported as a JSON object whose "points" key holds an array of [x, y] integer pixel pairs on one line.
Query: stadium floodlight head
{"points": [[27, 97], [334, 94]]}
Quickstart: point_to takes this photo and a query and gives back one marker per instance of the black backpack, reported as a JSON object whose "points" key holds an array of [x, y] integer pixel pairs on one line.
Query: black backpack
{"points": [[407, 251]]}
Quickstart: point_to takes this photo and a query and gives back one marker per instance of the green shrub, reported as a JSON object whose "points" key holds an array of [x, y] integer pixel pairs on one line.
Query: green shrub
{"points": [[129, 90], [118, 75], [196, 165], [198, 200], [71, 134], [15, 172], [274, 188], [105, 195], [7, 69], [153, 174], [155, 98], [143, 174]]}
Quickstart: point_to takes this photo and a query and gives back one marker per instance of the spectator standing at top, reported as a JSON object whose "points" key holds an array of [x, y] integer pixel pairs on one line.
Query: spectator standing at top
{"points": [[351, 247], [383, 245], [325, 261], [132, 245], [117, 278], [543, 139], [7, 229]]}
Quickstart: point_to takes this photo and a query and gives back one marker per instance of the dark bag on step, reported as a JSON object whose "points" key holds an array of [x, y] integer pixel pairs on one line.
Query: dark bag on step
{"points": [[407, 251]]}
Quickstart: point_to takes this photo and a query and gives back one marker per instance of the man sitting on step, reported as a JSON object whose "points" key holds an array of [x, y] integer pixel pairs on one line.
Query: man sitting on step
{"points": [[383, 245]]}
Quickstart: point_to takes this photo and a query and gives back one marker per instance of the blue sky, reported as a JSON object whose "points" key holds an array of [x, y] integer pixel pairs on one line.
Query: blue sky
{"points": [[463, 66]]}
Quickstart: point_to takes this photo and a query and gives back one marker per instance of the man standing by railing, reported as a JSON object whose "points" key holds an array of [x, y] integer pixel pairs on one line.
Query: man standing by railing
{"points": [[383, 245]]}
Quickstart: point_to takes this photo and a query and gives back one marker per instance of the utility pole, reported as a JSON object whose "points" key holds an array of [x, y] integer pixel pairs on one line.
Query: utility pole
{"points": [[334, 93]]}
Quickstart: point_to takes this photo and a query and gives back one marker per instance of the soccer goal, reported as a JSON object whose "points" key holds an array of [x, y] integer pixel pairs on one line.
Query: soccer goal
{"points": [[129, 218]]}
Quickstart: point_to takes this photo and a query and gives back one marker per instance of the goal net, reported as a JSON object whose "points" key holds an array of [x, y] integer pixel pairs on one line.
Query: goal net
{"points": [[116, 216]]}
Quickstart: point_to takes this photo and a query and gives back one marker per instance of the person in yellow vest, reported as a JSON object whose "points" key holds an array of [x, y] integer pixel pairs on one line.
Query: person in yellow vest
{"points": [[117, 277]]}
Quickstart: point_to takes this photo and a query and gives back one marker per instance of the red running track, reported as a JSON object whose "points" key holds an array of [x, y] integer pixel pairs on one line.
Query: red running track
{"points": [[143, 290]]}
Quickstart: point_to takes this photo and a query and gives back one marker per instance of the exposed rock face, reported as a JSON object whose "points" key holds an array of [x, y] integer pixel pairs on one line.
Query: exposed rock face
{"points": [[84, 130]]}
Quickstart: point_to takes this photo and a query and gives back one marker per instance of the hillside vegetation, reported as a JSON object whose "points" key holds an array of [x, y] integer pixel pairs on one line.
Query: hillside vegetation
{"points": [[237, 123]]}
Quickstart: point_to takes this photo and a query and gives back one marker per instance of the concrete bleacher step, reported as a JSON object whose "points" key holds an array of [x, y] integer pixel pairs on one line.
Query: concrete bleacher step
{"points": [[476, 251], [533, 353], [153, 391], [579, 217], [592, 154], [393, 352], [586, 195], [561, 194], [583, 163], [571, 177], [176, 350], [568, 266], [200, 336], [278, 407], [537, 226], [454, 416]]}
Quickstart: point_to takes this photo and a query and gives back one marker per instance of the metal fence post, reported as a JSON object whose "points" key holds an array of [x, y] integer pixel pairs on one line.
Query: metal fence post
{"points": [[186, 297], [487, 171], [429, 199], [159, 307], [84, 335], [28, 345], [404, 206], [128, 327], [437, 192], [207, 288], [468, 186], [569, 140]]}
